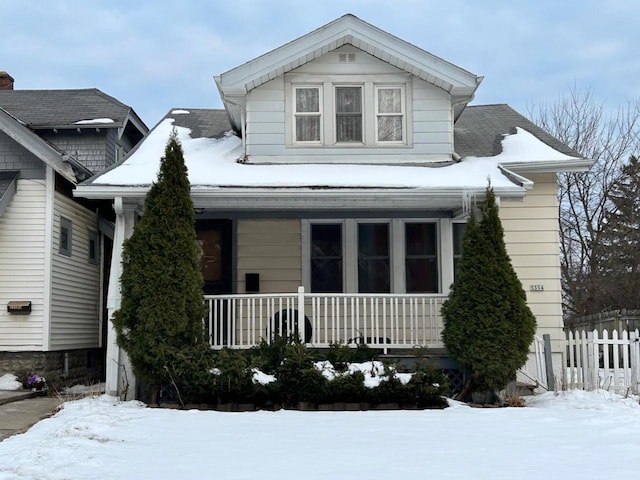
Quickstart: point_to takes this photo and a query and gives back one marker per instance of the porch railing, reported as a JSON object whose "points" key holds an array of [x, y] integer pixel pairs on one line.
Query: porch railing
{"points": [[398, 321]]}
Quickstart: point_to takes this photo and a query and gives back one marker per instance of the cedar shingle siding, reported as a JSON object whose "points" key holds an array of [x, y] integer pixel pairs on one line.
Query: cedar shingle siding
{"points": [[15, 157]]}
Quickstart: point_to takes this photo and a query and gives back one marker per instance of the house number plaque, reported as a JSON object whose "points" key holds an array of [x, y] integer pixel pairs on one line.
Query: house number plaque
{"points": [[536, 288]]}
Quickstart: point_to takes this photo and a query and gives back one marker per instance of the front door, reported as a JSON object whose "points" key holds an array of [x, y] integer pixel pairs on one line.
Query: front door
{"points": [[214, 239]]}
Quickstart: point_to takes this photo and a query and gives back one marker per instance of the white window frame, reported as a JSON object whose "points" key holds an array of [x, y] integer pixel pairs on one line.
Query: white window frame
{"points": [[297, 114], [334, 117], [327, 85], [439, 260], [403, 114], [397, 239]]}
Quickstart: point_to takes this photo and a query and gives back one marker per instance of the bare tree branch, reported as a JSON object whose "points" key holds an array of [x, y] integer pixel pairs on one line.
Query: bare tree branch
{"points": [[583, 197]]}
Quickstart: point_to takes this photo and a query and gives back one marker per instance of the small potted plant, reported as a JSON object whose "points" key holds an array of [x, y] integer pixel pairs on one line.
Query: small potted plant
{"points": [[36, 383]]}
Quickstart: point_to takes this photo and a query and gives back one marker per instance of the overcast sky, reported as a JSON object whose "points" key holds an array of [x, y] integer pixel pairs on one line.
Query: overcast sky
{"points": [[155, 55]]}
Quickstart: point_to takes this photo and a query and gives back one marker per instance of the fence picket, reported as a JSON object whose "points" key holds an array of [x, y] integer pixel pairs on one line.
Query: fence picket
{"points": [[608, 360]]}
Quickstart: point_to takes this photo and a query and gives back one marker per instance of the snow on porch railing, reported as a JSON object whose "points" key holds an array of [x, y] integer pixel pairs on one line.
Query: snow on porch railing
{"points": [[380, 320]]}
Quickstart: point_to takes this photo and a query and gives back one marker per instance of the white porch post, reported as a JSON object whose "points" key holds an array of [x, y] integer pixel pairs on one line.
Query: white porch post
{"points": [[116, 358], [301, 322]]}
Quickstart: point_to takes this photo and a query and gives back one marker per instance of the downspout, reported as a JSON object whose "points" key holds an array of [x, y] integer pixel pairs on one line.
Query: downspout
{"points": [[117, 360], [243, 131]]}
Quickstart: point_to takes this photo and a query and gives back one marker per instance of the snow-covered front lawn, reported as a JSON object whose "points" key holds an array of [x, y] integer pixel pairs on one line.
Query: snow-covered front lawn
{"points": [[576, 434]]}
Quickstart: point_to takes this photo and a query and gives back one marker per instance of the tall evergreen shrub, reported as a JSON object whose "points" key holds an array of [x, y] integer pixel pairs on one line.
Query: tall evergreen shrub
{"points": [[160, 318], [488, 326]]}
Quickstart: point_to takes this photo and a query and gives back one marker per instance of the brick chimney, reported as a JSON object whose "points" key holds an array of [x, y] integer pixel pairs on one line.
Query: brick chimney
{"points": [[6, 81]]}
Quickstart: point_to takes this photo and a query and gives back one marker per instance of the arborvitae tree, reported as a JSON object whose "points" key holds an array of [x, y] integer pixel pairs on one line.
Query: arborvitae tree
{"points": [[488, 325], [160, 318], [618, 248]]}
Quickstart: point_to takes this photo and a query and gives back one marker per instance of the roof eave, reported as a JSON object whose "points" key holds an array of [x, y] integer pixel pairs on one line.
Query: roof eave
{"points": [[560, 165], [310, 197], [347, 30], [36, 145]]}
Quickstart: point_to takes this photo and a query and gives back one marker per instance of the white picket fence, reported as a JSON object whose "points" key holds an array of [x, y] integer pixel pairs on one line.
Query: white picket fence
{"points": [[603, 361]]}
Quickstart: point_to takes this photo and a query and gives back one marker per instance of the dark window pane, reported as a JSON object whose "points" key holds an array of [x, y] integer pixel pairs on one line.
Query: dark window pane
{"points": [[326, 275], [373, 239], [421, 262], [326, 258], [458, 234], [422, 275], [420, 238], [348, 114], [64, 238], [374, 275]]}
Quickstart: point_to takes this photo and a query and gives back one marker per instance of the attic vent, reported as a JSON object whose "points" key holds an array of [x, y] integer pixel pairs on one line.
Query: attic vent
{"points": [[347, 58]]}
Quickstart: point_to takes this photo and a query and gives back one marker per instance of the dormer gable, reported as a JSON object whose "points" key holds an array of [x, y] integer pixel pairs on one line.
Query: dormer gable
{"points": [[235, 84]]}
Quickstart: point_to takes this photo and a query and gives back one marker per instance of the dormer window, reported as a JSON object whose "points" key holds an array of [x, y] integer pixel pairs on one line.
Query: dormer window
{"points": [[348, 111], [390, 114], [348, 114], [308, 115]]}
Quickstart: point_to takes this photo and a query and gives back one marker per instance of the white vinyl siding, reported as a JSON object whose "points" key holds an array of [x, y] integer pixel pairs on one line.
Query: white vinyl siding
{"points": [[428, 116], [272, 249], [22, 254], [75, 282], [532, 239]]}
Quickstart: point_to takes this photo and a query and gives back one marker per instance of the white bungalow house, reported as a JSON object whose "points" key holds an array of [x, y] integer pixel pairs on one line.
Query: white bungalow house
{"points": [[54, 247], [335, 186]]}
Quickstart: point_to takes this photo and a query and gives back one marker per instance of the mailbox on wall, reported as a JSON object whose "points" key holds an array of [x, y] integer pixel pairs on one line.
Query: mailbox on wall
{"points": [[19, 307]]}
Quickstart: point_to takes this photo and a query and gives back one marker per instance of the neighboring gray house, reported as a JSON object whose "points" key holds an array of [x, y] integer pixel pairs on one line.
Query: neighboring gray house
{"points": [[340, 190], [54, 248]]}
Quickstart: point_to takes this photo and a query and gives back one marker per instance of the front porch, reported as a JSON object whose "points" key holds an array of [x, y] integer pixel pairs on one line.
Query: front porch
{"points": [[385, 321]]}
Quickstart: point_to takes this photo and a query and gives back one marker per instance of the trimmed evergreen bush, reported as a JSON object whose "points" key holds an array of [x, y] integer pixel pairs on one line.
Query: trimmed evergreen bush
{"points": [[488, 326], [159, 322]]}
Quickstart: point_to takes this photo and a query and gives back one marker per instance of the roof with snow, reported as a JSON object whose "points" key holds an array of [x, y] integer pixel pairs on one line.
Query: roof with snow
{"points": [[71, 108], [490, 138]]}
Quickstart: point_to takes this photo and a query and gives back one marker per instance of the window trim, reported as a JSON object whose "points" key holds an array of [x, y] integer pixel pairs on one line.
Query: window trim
{"points": [[65, 224], [403, 114], [436, 255], [397, 239], [327, 85], [361, 87], [296, 114], [342, 251]]}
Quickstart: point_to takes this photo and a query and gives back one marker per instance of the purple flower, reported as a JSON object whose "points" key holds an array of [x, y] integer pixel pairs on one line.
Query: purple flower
{"points": [[34, 379]]}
